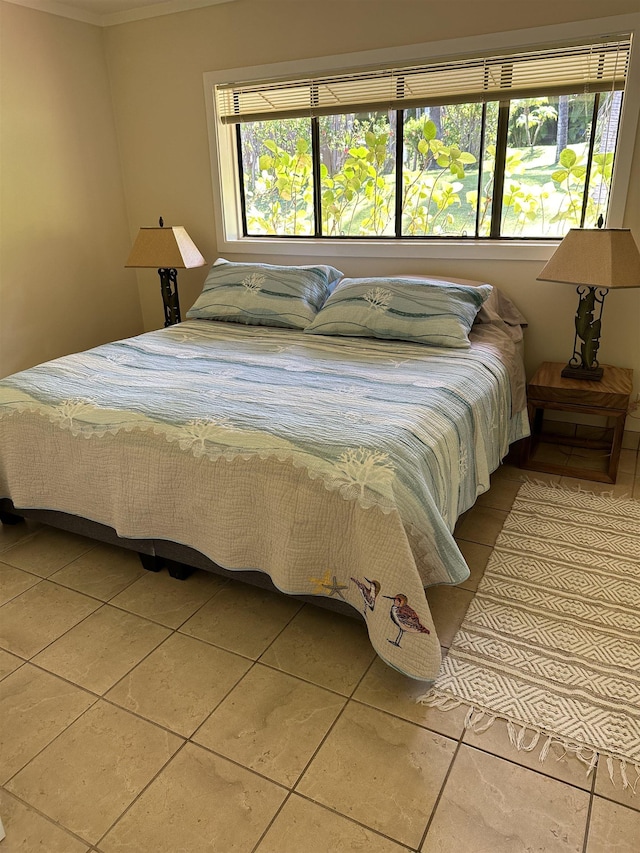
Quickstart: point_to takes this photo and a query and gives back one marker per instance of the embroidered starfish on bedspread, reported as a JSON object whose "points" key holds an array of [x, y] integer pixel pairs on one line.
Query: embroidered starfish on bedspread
{"points": [[328, 582], [335, 588]]}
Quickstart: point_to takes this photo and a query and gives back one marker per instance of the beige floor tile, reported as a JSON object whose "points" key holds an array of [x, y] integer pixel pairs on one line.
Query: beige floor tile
{"points": [[501, 495], [88, 776], [34, 708], [40, 615], [492, 806], [481, 524], [589, 458], [596, 427], [327, 648], [47, 551], [624, 484], [615, 790], [242, 619], [27, 831], [271, 723], [476, 557], [448, 605], [102, 572], [302, 825], [549, 452], [164, 599], [540, 477], [594, 431], [555, 427], [509, 471], [628, 461], [10, 534], [180, 683], [14, 581], [200, 803], [381, 771], [613, 828], [8, 663], [514, 472], [566, 768], [101, 649], [389, 690]]}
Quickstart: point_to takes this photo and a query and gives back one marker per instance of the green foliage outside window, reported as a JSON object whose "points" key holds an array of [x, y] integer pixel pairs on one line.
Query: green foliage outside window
{"points": [[447, 183]]}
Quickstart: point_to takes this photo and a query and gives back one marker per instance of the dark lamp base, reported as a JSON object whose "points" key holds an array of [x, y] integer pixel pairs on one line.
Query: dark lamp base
{"points": [[169, 288], [593, 374]]}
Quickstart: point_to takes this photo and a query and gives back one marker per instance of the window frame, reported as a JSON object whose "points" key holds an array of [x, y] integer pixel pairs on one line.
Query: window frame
{"points": [[225, 163]]}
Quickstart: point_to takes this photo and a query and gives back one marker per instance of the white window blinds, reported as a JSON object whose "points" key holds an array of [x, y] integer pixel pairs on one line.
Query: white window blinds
{"points": [[599, 66]]}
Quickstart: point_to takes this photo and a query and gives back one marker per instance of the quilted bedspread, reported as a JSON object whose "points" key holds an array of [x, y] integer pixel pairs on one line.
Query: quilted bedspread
{"points": [[337, 465]]}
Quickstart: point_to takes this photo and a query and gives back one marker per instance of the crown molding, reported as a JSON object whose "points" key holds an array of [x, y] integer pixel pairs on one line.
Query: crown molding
{"points": [[168, 7]]}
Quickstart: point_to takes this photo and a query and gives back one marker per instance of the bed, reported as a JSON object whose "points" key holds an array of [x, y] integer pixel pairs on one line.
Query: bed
{"points": [[334, 465]]}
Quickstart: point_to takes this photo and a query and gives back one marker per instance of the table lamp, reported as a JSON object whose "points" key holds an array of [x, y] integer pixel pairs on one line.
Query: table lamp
{"points": [[168, 249], [595, 260]]}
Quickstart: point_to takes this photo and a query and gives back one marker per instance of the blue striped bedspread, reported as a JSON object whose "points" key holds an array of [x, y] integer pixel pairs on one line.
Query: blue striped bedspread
{"points": [[397, 433]]}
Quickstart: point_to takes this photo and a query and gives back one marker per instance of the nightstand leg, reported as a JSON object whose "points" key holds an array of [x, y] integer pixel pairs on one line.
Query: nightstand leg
{"points": [[616, 447]]}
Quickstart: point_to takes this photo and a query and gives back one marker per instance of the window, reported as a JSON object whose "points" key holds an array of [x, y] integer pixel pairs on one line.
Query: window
{"points": [[508, 146]]}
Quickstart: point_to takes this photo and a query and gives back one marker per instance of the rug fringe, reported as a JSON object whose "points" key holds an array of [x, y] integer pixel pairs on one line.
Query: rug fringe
{"points": [[577, 487], [479, 721], [525, 738], [624, 777]]}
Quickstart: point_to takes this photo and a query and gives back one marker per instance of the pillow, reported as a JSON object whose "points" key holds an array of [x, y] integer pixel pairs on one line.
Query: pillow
{"points": [[500, 307], [496, 308], [428, 311], [264, 294]]}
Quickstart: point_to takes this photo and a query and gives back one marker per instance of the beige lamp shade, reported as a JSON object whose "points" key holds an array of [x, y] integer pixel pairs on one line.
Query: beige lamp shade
{"points": [[169, 248], [599, 257]]}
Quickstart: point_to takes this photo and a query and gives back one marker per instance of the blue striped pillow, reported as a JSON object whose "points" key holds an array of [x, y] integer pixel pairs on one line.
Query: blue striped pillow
{"points": [[428, 311], [264, 294]]}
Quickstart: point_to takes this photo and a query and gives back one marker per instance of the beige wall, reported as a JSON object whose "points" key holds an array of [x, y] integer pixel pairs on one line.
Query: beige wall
{"points": [[63, 228], [156, 69]]}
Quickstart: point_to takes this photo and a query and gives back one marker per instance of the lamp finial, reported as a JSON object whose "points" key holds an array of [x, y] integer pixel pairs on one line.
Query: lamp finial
{"points": [[161, 222]]}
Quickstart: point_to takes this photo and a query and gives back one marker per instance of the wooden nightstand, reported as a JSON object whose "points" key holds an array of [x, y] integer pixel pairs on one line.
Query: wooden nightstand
{"points": [[608, 398]]}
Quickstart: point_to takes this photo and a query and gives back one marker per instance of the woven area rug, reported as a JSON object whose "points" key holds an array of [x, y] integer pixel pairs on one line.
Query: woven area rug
{"points": [[551, 641]]}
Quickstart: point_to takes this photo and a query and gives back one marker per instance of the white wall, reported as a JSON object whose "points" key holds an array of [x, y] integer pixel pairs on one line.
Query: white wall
{"points": [[63, 228]]}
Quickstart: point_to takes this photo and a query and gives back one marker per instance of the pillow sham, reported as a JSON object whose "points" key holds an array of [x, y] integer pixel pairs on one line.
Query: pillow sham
{"points": [[427, 311], [496, 308], [264, 294]]}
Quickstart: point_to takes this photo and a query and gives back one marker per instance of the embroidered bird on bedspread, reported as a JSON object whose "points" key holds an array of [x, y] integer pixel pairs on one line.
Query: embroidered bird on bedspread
{"points": [[405, 617], [369, 591]]}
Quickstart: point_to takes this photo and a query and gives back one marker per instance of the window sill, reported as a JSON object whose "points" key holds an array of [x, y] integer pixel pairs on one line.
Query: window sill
{"points": [[486, 250]]}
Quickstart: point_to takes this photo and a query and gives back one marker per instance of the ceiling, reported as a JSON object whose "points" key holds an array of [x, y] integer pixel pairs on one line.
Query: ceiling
{"points": [[105, 13]]}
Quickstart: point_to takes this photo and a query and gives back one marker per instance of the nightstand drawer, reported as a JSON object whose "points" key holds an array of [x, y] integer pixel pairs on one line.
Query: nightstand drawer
{"points": [[612, 392]]}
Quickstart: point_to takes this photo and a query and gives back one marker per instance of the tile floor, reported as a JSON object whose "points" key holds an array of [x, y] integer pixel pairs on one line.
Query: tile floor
{"points": [[138, 714]]}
